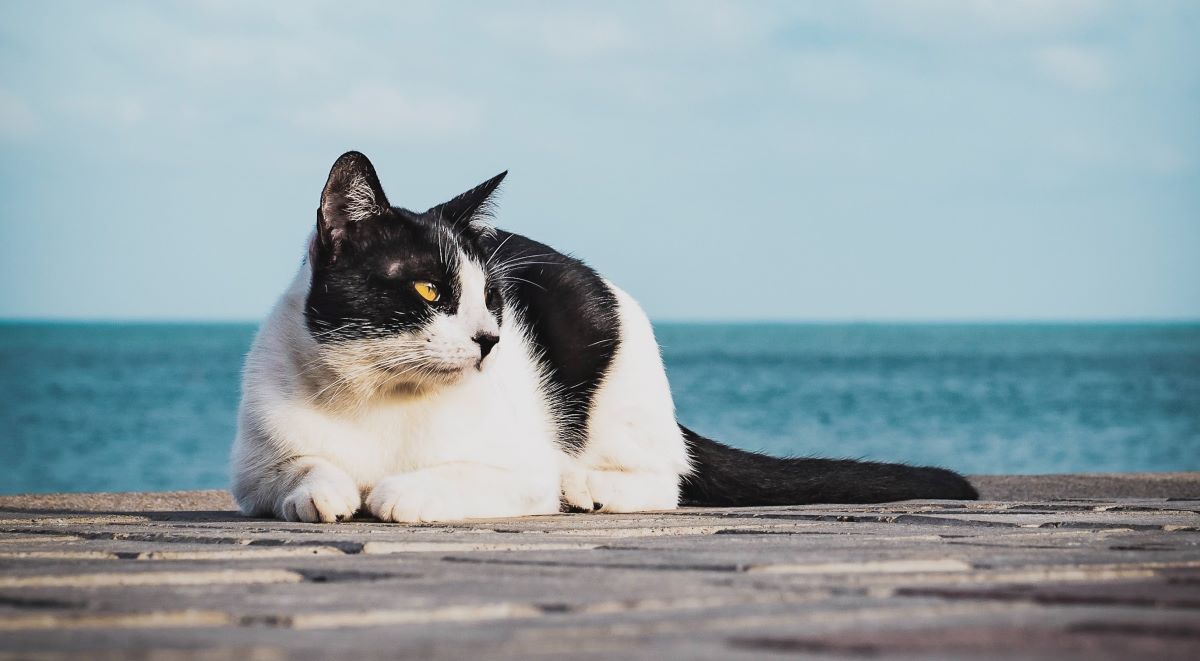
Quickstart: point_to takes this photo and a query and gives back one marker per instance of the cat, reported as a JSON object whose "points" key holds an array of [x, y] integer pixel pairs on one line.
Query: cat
{"points": [[428, 366]]}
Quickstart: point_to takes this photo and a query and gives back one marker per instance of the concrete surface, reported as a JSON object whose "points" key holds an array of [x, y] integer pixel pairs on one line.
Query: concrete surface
{"points": [[1078, 567]]}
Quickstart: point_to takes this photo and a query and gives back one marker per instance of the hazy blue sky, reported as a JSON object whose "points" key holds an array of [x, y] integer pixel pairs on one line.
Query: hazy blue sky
{"points": [[942, 159]]}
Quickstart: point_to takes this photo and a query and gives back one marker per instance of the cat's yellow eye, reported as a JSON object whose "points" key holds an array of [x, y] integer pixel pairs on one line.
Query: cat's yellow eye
{"points": [[427, 290]]}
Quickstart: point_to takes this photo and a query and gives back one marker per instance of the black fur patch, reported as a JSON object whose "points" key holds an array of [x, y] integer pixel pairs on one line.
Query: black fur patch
{"points": [[366, 290], [366, 257], [572, 318]]}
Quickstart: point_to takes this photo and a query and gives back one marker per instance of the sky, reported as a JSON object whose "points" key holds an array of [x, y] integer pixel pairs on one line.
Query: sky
{"points": [[933, 160]]}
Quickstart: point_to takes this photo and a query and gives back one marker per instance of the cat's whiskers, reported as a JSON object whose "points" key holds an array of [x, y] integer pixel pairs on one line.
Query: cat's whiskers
{"points": [[350, 363], [401, 361], [502, 271], [496, 251], [513, 277], [331, 331], [521, 260]]}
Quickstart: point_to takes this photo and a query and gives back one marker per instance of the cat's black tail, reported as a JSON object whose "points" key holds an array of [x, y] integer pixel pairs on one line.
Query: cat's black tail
{"points": [[727, 477]]}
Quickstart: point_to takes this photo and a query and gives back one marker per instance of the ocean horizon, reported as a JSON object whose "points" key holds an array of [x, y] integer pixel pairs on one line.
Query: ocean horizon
{"points": [[131, 406]]}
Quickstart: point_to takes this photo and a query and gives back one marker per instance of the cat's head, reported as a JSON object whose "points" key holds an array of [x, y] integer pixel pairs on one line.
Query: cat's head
{"points": [[400, 298]]}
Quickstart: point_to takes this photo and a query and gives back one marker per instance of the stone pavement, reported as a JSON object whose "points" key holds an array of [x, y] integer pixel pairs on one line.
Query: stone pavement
{"points": [[1071, 570]]}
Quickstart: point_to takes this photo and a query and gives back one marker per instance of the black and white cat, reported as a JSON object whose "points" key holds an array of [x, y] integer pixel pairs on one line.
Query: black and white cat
{"points": [[431, 367]]}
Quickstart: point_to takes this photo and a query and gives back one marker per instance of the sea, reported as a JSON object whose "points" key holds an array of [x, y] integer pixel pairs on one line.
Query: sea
{"points": [[131, 407]]}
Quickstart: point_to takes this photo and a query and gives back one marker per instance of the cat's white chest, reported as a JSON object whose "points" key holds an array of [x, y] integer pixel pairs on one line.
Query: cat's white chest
{"points": [[377, 442], [494, 416]]}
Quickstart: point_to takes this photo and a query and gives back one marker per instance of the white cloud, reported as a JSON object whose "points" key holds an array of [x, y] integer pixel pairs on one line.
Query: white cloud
{"points": [[831, 75], [1074, 67], [1166, 159], [196, 43], [721, 23], [109, 110], [384, 112], [572, 34], [1021, 14], [969, 19], [225, 57], [17, 119]]}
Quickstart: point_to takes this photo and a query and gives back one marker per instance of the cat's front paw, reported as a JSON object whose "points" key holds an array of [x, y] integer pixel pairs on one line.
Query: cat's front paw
{"points": [[620, 491], [417, 497], [461, 491], [321, 499], [575, 495]]}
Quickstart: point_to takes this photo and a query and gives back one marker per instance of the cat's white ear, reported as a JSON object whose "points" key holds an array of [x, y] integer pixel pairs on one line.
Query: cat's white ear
{"points": [[471, 211], [352, 195]]}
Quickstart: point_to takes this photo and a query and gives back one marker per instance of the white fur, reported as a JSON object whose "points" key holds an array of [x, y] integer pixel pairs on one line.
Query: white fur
{"points": [[480, 225], [360, 200], [635, 452], [318, 438]]}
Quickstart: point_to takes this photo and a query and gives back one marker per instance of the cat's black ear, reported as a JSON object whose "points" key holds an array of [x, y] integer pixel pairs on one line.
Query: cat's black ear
{"points": [[352, 195], [471, 211]]}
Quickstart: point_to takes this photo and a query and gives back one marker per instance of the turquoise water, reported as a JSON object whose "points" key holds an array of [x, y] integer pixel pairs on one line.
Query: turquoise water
{"points": [[105, 407]]}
